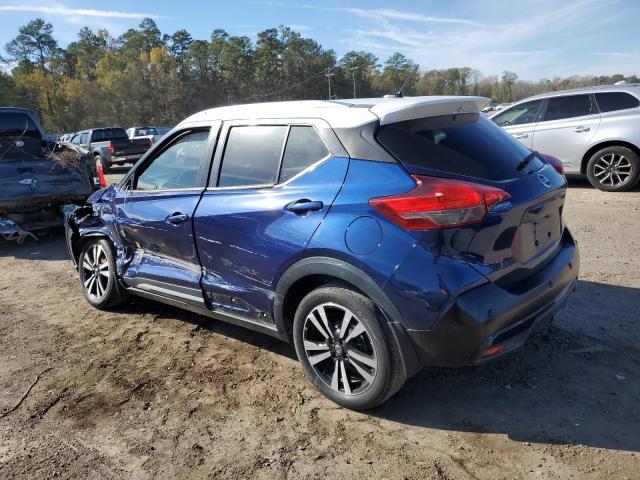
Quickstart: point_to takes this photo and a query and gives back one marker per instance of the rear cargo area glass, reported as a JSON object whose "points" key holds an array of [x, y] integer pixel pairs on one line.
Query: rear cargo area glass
{"points": [[463, 144]]}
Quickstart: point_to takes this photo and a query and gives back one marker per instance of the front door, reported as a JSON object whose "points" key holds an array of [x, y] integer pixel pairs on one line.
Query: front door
{"points": [[520, 121], [155, 217], [566, 128], [275, 185]]}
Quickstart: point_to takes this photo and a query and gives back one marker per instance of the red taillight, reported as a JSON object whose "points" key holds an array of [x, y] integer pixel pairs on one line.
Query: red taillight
{"points": [[439, 203], [110, 147], [555, 163]]}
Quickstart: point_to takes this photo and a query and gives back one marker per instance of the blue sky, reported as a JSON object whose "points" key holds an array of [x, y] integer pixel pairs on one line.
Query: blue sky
{"points": [[535, 39]]}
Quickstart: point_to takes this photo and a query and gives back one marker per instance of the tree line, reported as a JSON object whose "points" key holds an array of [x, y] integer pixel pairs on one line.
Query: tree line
{"points": [[144, 77]]}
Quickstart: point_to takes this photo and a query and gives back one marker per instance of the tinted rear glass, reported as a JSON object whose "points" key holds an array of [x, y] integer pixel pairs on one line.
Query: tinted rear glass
{"points": [[569, 107], [465, 144], [16, 124], [612, 101], [105, 134], [304, 148], [252, 155]]}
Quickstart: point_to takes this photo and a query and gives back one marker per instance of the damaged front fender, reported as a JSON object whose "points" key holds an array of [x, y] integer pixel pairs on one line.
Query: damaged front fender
{"points": [[87, 221]]}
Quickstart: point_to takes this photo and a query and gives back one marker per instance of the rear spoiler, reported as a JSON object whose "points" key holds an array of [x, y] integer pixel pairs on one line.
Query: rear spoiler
{"points": [[394, 110]]}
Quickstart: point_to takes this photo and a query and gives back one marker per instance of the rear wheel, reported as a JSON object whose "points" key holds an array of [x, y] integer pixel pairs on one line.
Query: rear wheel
{"points": [[342, 342], [614, 169], [96, 266]]}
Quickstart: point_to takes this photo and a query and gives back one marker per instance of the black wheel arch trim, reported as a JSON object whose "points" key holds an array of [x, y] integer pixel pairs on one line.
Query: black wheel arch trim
{"points": [[359, 279]]}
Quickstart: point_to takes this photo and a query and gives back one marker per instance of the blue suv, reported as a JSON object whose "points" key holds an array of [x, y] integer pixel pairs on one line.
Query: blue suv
{"points": [[378, 235]]}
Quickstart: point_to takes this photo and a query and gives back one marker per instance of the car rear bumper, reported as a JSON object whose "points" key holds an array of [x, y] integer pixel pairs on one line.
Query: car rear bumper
{"points": [[126, 158], [488, 321]]}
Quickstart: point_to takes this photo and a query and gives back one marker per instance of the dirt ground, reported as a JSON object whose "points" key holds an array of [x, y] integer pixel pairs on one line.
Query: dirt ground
{"points": [[150, 391]]}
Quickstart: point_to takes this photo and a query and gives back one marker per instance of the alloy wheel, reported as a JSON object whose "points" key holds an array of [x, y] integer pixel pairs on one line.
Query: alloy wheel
{"points": [[339, 349], [612, 169], [95, 272]]}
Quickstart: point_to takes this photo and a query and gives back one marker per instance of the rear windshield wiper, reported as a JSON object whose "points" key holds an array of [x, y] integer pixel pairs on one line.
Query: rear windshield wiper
{"points": [[526, 160]]}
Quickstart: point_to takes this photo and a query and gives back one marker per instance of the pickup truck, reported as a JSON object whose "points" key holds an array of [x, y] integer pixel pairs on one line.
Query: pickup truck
{"points": [[39, 178], [111, 146], [152, 133]]}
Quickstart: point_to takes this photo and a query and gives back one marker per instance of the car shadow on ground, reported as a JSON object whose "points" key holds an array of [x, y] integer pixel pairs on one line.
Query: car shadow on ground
{"points": [[567, 385], [50, 245]]}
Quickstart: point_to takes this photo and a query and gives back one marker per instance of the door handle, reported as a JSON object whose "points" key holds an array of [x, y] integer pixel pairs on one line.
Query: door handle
{"points": [[177, 218], [581, 129], [520, 135], [301, 207]]}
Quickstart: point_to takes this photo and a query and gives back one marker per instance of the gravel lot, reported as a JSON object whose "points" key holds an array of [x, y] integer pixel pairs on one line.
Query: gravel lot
{"points": [[150, 391]]}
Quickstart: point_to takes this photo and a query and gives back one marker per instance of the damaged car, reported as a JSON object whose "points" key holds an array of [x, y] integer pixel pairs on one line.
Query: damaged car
{"points": [[40, 180]]}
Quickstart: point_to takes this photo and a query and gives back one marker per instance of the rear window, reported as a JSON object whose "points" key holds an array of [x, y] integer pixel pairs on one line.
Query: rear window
{"points": [[252, 155], [569, 107], [612, 101], [104, 134], [16, 124], [464, 144]]}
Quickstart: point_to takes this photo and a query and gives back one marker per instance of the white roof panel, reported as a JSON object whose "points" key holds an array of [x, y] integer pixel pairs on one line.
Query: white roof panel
{"points": [[346, 113]]}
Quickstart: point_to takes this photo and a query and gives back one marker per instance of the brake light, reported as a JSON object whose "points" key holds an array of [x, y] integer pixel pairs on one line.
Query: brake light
{"points": [[439, 203], [110, 147], [555, 163]]}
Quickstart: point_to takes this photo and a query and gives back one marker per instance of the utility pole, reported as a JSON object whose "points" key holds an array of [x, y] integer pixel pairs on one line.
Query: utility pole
{"points": [[353, 75], [329, 75]]}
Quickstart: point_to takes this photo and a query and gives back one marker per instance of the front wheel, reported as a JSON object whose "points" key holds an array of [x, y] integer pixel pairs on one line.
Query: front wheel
{"points": [[97, 269], [343, 344], [614, 169]]}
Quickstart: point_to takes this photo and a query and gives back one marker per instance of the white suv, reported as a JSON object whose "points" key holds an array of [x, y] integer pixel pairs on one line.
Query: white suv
{"points": [[593, 131]]}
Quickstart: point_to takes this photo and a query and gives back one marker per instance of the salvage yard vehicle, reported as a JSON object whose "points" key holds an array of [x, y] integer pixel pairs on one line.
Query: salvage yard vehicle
{"points": [[38, 178], [379, 235], [152, 133], [594, 131], [111, 146]]}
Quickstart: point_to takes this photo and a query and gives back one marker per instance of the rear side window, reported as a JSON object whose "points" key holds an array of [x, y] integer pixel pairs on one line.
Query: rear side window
{"points": [[569, 107], [518, 115], [612, 101], [16, 124], [304, 148], [252, 155], [465, 144]]}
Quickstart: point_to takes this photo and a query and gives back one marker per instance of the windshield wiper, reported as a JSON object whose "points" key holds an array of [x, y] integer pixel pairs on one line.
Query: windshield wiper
{"points": [[526, 160]]}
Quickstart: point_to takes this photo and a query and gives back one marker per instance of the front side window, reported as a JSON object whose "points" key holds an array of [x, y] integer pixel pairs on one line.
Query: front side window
{"points": [[177, 166], [304, 148], [612, 101], [518, 115], [252, 155], [572, 106]]}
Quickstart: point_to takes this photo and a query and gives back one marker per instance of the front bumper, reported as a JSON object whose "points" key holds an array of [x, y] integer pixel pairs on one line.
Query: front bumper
{"points": [[488, 321]]}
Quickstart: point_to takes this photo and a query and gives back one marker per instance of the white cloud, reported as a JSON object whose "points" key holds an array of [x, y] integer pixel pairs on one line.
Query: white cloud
{"points": [[379, 13], [77, 12]]}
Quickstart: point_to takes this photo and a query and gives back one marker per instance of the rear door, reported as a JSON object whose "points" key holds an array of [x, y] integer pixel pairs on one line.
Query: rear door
{"points": [[155, 215], [270, 188], [566, 128], [520, 121]]}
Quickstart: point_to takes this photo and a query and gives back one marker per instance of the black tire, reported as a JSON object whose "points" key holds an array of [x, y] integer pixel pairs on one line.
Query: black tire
{"points": [[106, 164], [112, 293], [387, 376], [597, 169]]}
